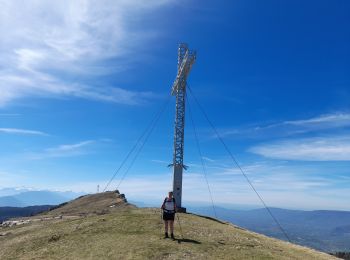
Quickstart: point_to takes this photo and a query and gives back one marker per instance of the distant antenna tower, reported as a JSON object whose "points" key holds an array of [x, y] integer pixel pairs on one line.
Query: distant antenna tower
{"points": [[186, 58]]}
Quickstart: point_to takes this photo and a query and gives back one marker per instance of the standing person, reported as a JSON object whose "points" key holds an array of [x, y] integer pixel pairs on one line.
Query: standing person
{"points": [[169, 209]]}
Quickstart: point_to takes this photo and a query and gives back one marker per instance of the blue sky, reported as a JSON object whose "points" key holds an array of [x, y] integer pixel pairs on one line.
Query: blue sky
{"points": [[80, 81]]}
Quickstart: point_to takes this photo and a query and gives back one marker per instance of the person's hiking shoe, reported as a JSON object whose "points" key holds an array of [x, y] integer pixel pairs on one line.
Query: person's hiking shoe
{"points": [[166, 235], [172, 236]]}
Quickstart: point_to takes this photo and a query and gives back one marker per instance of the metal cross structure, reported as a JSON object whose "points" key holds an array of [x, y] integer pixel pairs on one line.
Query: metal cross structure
{"points": [[186, 58]]}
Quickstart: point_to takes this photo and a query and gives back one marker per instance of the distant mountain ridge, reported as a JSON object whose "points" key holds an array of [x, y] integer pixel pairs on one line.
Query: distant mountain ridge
{"points": [[31, 198], [12, 212], [324, 230]]}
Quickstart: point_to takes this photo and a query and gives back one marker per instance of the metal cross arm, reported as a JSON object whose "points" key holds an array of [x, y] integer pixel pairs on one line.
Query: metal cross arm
{"points": [[183, 70]]}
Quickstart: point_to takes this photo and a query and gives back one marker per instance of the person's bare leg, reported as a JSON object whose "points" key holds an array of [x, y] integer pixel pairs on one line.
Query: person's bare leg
{"points": [[172, 228], [166, 228]]}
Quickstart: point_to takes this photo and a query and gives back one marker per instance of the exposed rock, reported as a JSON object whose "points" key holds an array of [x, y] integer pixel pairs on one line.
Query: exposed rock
{"points": [[54, 238]]}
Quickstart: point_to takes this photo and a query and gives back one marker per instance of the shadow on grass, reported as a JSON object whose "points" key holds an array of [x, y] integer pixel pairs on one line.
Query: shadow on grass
{"points": [[186, 240]]}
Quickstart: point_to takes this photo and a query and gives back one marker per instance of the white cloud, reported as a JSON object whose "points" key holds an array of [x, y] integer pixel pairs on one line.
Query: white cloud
{"points": [[64, 150], [160, 161], [330, 120], [47, 47], [335, 120], [307, 149], [208, 159], [69, 147], [338, 120], [21, 131]]}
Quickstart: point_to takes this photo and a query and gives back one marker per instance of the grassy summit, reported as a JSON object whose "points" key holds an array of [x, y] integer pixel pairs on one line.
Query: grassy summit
{"points": [[89, 228]]}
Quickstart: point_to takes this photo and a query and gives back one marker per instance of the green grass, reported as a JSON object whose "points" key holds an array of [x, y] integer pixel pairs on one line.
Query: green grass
{"points": [[135, 234]]}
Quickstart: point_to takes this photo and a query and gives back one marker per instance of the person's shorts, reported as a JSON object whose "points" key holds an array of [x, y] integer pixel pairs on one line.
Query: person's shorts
{"points": [[168, 216]]}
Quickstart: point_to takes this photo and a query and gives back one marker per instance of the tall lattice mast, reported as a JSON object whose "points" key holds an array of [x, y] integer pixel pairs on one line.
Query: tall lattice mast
{"points": [[186, 58]]}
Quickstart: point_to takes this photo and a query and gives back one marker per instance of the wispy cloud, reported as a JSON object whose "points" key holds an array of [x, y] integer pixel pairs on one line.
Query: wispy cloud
{"points": [[64, 150], [208, 159], [21, 131], [335, 120], [54, 49], [326, 122], [160, 161], [307, 149], [69, 147], [331, 120]]}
